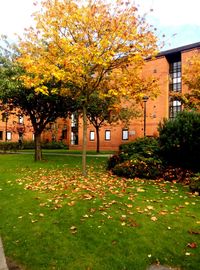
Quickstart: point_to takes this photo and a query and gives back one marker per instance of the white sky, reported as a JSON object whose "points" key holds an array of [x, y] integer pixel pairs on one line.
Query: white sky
{"points": [[179, 20]]}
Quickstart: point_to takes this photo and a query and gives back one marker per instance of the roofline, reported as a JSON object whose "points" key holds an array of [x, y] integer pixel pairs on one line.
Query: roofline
{"points": [[179, 49]]}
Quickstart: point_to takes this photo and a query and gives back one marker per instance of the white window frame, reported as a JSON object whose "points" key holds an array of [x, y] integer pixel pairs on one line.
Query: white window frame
{"points": [[92, 135], [8, 135], [107, 135], [21, 119], [125, 134]]}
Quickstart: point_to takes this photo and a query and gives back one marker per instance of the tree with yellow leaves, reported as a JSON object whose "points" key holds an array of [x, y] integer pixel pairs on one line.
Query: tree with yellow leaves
{"points": [[87, 46], [191, 77]]}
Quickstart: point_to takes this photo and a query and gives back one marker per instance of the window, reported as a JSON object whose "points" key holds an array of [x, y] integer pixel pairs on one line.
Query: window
{"points": [[74, 129], [175, 76], [8, 135], [91, 135], [107, 135], [20, 119], [74, 120], [64, 134], [174, 108], [74, 138], [1, 135], [125, 134]]}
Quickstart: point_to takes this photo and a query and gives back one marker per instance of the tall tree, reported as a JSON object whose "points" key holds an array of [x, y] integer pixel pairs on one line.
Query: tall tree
{"points": [[191, 77], [40, 108], [88, 47]]}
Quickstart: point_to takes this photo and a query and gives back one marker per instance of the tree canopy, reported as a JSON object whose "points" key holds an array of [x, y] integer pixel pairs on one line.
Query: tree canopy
{"points": [[191, 77], [40, 108]]}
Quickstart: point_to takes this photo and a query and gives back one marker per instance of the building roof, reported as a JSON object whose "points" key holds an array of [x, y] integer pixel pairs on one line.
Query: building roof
{"points": [[179, 49]]}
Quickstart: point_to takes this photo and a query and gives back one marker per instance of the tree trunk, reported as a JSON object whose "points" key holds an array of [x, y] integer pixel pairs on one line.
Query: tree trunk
{"points": [[84, 171], [38, 150], [98, 139]]}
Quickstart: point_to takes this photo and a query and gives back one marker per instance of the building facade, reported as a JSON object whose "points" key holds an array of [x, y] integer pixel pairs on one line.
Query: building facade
{"points": [[167, 67], [15, 127]]}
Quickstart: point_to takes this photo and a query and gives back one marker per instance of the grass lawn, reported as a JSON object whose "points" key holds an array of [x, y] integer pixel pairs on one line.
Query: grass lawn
{"points": [[53, 218]]}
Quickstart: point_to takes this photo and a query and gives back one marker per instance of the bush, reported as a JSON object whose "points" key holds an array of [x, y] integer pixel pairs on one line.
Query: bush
{"points": [[141, 147], [148, 168], [9, 146], [179, 140], [137, 159], [28, 145], [180, 175], [44, 145], [113, 161], [146, 147], [195, 183], [53, 145]]}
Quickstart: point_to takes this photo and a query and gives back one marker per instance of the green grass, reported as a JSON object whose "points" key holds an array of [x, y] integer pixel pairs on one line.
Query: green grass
{"points": [[53, 218]]}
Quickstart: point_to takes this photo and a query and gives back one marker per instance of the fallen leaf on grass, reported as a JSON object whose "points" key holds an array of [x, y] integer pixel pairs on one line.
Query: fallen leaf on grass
{"points": [[163, 212], [154, 218], [72, 203], [129, 205], [73, 229], [194, 232], [87, 197], [34, 220], [132, 223], [149, 207], [140, 190], [192, 245]]}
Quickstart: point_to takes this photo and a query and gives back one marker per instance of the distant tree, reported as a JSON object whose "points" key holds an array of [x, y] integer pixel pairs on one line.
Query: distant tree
{"points": [[191, 77], [41, 108], [108, 110]]}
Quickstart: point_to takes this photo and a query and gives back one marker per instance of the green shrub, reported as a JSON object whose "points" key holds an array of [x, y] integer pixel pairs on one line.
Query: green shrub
{"points": [[179, 140], [141, 147], [180, 175], [44, 145], [53, 145], [28, 145], [195, 183], [146, 147], [113, 161], [142, 167], [9, 146]]}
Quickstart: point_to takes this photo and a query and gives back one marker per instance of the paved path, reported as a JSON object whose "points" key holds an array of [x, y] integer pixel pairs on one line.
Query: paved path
{"points": [[56, 154], [3, 265]]}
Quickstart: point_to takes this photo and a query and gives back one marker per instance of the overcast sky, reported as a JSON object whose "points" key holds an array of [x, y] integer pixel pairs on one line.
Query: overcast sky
{"points": [[179, 20]]}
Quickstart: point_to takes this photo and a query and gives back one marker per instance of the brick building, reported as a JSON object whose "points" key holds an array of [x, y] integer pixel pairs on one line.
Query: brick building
{"points": [[167, 67]]}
